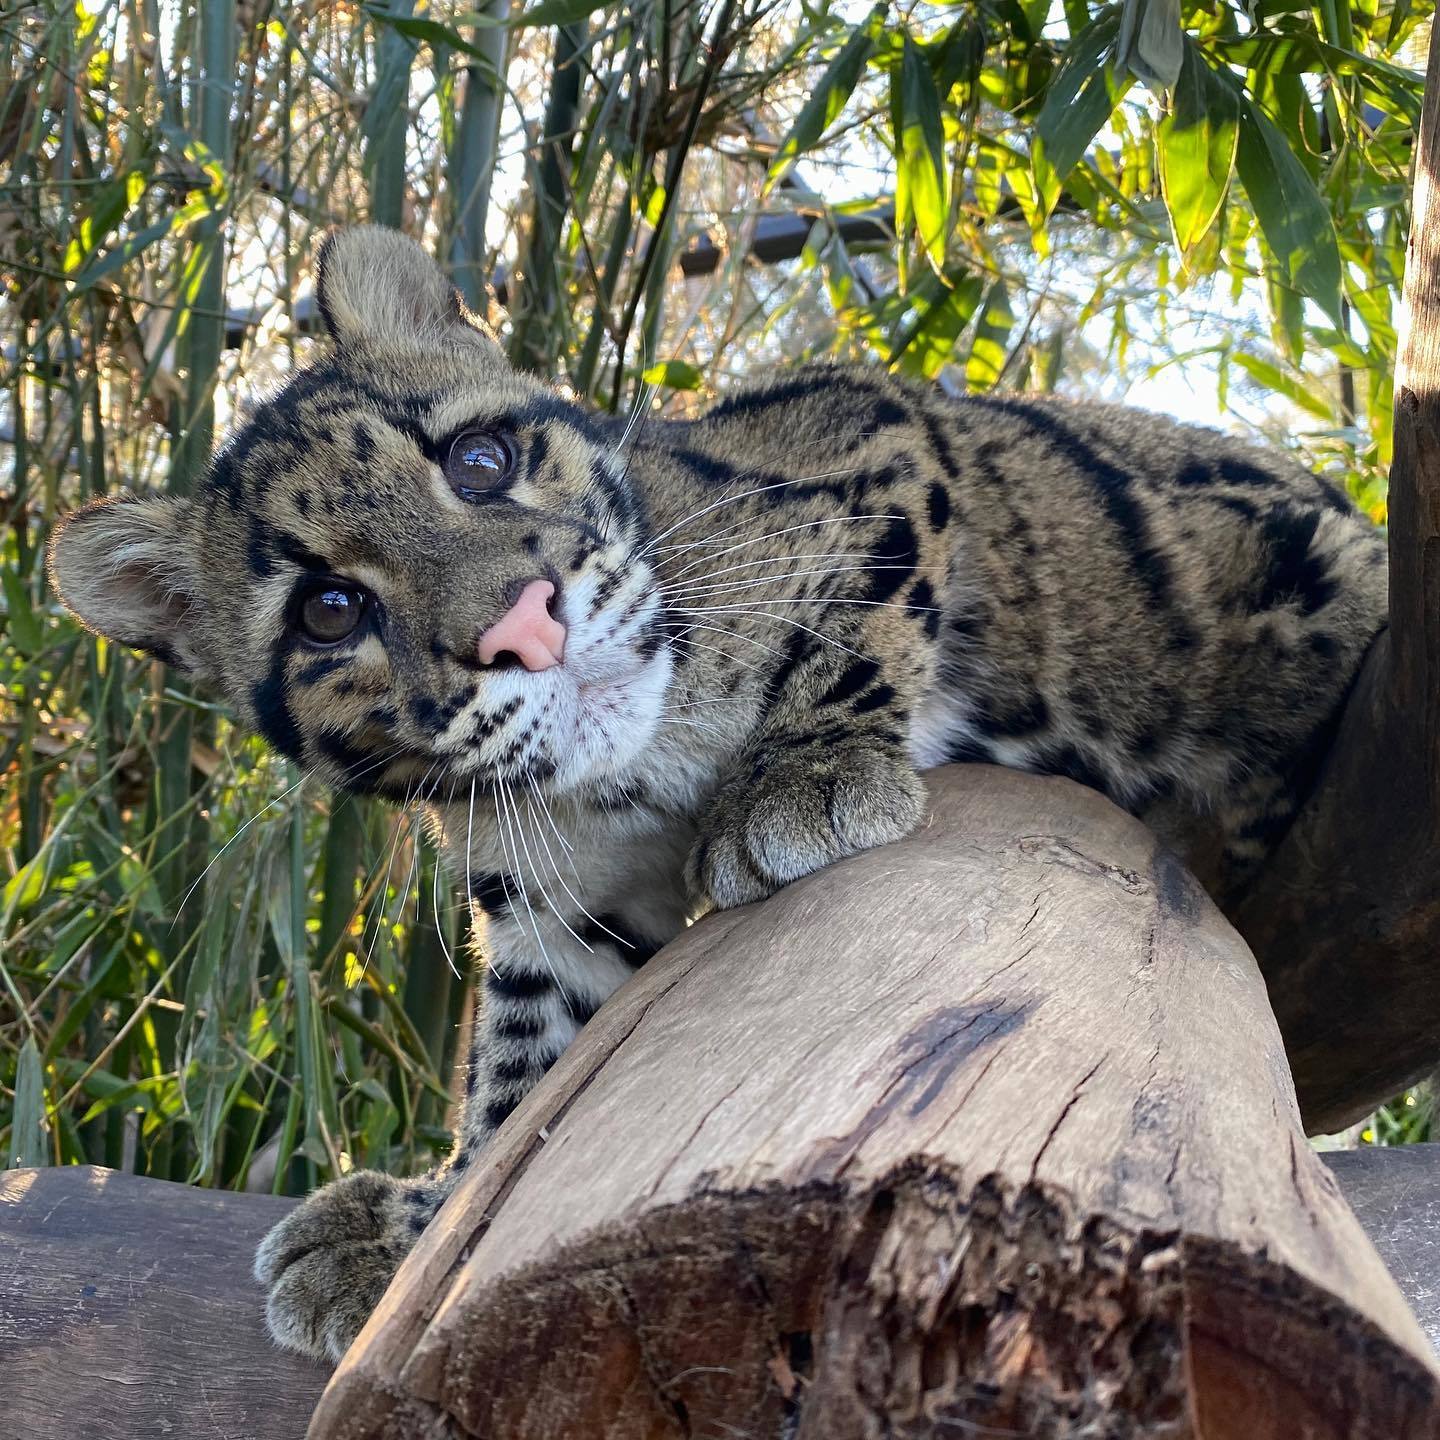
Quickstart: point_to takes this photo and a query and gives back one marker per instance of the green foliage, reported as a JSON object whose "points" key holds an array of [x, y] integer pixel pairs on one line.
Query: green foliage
{"points": [[208, 968]]}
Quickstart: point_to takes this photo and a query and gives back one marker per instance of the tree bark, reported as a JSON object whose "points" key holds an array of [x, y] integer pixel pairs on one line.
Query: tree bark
{"points": [[1346, 919], [988, 1132]]}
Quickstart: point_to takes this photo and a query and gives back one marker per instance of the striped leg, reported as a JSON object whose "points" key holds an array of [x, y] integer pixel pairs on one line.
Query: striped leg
{"points": [[546, 974]]}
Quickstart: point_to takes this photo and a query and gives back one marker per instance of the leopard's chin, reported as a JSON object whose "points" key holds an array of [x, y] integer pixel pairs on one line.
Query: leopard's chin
{"points": [[607, 721]]}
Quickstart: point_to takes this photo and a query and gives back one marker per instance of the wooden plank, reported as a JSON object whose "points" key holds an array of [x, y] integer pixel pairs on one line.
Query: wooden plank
{"points": [[1395, 1194], [127, 1311], [69, 1356], [989, 1130]]}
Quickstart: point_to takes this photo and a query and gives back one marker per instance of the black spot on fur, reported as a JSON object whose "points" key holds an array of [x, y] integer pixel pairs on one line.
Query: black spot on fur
{"points": [[938, 505], [517, 985], [518, 1025], [1196, 472], [1086, 705], [1113, 489], [271, 702], [319, 668], [257, 551], [1295, 574], [1024, 717], [493, 893], [798, 647], [898, 553], [970, 625], [1068, 761], [880, 696], [497, 1112], [581, 1011], [512, 1071], [611, 929], [298, 553], [855, 677], [1241, 472], [363, 442], [921, 600], [969, 751]]}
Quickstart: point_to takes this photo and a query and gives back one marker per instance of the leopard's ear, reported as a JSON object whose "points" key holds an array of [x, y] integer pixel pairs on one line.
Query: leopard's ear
{"points": [[127, 570], [378, 286]]}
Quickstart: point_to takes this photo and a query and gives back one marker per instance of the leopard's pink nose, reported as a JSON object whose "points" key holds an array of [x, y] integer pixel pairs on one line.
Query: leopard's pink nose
{"points": [[527, 630]]}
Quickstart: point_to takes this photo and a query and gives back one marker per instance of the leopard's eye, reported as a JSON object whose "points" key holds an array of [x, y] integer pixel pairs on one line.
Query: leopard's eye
{"points": [[330, 610], [477, 462]]}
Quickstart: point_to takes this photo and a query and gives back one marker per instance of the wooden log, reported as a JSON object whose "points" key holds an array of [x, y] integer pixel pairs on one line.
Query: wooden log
{"points": [[1346, 919], [988, 1132], [164, 1255], [1394, 1191], [127, 1310]]}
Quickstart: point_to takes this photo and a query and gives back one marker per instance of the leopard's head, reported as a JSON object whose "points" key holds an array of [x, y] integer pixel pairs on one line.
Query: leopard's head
{"points": [[413, 566]]}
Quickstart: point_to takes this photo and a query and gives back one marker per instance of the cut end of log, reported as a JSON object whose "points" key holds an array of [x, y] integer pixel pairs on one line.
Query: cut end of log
{"points": [[914, 1305]]}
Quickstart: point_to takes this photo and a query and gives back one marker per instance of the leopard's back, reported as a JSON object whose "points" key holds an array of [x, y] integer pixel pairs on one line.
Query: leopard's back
{"points": [[1161, 611]]}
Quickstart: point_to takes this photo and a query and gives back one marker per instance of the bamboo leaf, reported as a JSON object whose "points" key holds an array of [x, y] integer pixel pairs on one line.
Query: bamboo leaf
{"points": [[1272, 377], [27, 1124], [828, 98], [1293, 217], [674, 375], [1151, 45], [992, 332], [922, 176], [1078, 101], [1196, 149]]}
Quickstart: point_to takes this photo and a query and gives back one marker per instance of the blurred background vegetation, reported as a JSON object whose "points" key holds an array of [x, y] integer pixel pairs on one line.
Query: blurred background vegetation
{"points": [[211, 969]]}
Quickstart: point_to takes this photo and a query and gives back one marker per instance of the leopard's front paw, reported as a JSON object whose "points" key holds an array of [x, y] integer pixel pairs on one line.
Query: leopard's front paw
{"points": [[798, 811], [327, 1264]]}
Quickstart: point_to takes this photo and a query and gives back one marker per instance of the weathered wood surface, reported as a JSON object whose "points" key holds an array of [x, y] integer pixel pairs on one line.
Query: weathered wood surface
{"points": [[1395, 1194], [127, 1311], [1346, 921], [991, 1128], [257, 1391]]}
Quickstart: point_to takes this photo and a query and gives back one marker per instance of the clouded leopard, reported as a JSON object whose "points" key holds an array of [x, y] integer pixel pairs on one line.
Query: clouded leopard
{"points": [[637, 671]]}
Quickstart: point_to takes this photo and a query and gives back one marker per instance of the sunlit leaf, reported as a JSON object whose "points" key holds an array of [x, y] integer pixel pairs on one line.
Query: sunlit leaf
{"points": [[992, 334], [674, 375], [1196, 149], [922, 189], [930, 343], [1272, 377]]}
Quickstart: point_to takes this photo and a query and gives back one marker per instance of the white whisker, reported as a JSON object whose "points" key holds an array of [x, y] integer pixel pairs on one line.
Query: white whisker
{"points": [[502, 793], [440, 924], [743, 495], [779, 619], [733, 585], [733, 635], [578, 904], [704, 645], [756, 539]]}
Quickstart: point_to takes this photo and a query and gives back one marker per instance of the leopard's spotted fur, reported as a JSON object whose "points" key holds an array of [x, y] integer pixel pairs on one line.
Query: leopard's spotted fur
{"points": [[778, 616]]}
